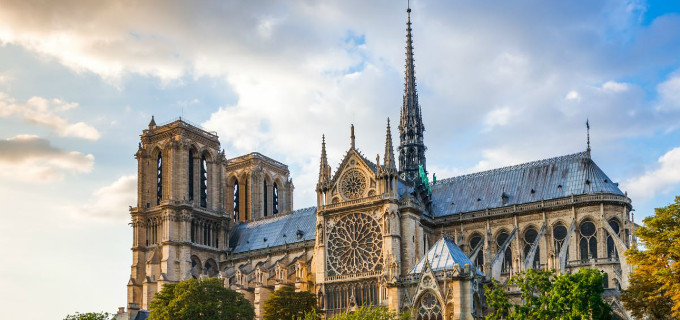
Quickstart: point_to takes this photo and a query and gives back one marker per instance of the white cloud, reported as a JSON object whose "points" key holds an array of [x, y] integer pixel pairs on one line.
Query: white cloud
{"points": [[613, 86], [111, 202], [41, 111], [573, 95], [661, 179], [498, 117], [669, 93], [31, 159]]}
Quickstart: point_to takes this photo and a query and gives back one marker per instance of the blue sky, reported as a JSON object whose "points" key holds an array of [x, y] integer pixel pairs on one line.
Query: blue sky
{"points": [[499, 83]]}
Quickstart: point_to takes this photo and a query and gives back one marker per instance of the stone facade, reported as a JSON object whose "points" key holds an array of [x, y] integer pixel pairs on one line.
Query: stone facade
{"points": [[378, 235]]}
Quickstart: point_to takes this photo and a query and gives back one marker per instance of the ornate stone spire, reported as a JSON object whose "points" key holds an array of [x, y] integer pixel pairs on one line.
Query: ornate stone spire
{"points": [[389, 151], [411, 146], [324, 168], [351, 137]]}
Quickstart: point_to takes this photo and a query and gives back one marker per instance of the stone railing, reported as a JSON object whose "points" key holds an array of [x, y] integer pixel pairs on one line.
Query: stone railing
{"points": [[352, 202], [370, 274]]}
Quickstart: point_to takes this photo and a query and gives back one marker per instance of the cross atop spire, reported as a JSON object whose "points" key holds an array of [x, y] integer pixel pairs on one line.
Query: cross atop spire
{"points": [[411, 146]]}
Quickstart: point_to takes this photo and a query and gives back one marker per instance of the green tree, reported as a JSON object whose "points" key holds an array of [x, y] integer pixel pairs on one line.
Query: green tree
{"points": [[546, 295], [654, 288], [372, 313], [89, 316], [206, 299], [286, 304]]}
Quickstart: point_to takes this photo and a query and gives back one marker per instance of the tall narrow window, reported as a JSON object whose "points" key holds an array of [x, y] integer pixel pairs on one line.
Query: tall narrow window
{"points": [[611, 246], [474, 242], [204, 182], [275, 199], [530, 236], [193, 230], [559, 236], [588, 242], [507, 261], [191, 174], [264, 193], [159, 178], [236, 201]]}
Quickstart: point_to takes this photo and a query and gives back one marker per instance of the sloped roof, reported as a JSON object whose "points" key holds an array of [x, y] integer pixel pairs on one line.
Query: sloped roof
{"points": [[274, 231], [558, 177], [443, 255]]}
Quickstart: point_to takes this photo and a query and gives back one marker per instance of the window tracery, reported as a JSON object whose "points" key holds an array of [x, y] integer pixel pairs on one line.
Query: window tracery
{"points": [[530, 236], [474, 242], [353, 184], [588, 242], [354, 245], [611, 246], [429, 307], [507, 261]]}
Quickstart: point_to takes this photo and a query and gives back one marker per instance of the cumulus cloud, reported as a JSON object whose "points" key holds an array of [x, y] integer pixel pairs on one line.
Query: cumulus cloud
{"points": [[111, 202], [669, 93], [498, 117], [32, 159], [43, 112], [661, 179]]}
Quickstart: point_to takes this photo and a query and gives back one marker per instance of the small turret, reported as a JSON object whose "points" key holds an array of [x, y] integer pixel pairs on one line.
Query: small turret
{"points": [[152, 123], [387, 173], [389, 150]]}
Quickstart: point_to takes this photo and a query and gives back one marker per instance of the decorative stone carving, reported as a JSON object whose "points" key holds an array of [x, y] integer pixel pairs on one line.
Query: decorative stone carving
{"points": [[354, 245]]}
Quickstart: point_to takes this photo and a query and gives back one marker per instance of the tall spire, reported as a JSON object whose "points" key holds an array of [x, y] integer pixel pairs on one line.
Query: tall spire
{"points": [[411, 144], [351, 137], [588, 137], [324, 168], [389, 151]]}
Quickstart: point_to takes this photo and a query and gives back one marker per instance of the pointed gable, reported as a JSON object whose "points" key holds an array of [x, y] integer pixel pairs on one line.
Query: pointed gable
{"points": [[443, 255]]}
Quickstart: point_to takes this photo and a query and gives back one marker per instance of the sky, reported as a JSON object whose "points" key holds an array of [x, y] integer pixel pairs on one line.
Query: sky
{"points": [[499, 83]]}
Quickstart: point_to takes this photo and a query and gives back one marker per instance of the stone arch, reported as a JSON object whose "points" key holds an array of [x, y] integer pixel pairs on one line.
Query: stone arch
{"points": [[529, 237], [210, 268], [196, 267], [429, 305]]}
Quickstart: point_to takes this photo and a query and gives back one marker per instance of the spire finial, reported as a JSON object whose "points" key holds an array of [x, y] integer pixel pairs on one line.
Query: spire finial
{"points": [[352, 136], [588, 137], [152, 123], [324, 168], [389, 151]]}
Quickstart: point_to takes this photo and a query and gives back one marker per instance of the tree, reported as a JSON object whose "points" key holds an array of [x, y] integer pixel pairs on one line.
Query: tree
{"points": [[372, 313], [286, 304], [546, 295], [654, 288], [89, 316], [205, 299]]}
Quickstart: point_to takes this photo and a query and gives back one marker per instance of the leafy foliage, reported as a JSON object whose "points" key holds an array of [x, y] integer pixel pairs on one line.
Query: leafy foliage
{"points": [[89, 316], [372, 313], [206, 299], [286, 304], [654, 288], [550, 296]]}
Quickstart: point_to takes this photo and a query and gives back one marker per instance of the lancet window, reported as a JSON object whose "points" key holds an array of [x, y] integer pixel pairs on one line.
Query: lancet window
{"points": [[340, 297], [264, 193], [476, 240], [611, 245], [507, 261], [190, 185], [530, 237], [236, 201], [204, 182], [275, 199], [588, 241], [159, 178]]}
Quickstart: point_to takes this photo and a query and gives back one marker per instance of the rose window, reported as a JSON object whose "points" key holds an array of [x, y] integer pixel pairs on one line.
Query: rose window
{"points": [[353, 184], [354, 245]]}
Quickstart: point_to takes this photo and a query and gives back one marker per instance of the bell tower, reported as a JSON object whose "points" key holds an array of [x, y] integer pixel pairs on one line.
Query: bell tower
{"points": [[411, 145], [179, 225]]}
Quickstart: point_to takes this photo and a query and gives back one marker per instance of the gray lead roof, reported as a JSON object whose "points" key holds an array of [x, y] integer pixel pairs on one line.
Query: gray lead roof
{"points": [[274, 231], [443, 255], [558, 177]]}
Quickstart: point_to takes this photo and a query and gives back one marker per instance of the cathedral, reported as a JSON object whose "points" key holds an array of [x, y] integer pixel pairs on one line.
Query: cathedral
{"points": [[381, 233]]}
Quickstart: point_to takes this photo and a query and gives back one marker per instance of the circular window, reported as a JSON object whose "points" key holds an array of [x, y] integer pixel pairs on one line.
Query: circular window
{"points": [[353, 184], [354, 245]]}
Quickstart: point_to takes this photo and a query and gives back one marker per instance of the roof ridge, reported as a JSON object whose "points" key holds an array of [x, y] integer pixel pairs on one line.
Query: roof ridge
{"points": [[578, 155]]}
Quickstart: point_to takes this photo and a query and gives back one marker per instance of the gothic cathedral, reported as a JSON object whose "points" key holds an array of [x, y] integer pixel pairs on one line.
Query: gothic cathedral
{"points": [[380, 233]]}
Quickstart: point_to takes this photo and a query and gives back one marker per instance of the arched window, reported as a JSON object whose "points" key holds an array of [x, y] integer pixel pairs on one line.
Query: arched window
{"points": [[191, 174], [275, 199], [530, 236], [588, 242], [611, 246], [204, 182], [195, 267], [236, 201], [475, 240], [605, 280], [159, 178], [264, 192], [429, 307], [507, 261]]}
